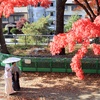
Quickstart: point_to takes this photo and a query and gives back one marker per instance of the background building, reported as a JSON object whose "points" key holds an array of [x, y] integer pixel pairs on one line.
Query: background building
{"points": [[70, 10], [19, 12], [37, 12], [34, 13]]}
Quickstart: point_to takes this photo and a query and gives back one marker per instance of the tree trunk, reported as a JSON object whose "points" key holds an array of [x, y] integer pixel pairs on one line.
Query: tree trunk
{"points": [[3, 47], [97, 40], [60, 7]]}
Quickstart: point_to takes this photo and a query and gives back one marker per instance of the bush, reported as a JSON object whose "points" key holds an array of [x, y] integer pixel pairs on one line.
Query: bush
{"points": [[70, 21], [5, 30], [13, 30]]}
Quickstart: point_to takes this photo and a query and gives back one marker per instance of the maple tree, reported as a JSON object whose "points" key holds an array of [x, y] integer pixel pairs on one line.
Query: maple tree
{"points": [[91, 7], [82, 30]]}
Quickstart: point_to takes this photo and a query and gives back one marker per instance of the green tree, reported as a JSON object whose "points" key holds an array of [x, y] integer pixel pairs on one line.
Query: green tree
{"points": [[5, 30], [39, 27], [70, 21], [14, 30]]}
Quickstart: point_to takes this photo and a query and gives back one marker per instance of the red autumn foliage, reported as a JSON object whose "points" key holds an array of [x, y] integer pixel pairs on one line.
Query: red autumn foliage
{"points": [[82, 30], [21, 23], [7, 6]]}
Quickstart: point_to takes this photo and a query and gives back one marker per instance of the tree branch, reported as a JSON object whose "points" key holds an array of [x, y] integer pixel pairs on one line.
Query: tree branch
{"points": [[63, 2], [88, 6], [81, 5], [98, 7]]}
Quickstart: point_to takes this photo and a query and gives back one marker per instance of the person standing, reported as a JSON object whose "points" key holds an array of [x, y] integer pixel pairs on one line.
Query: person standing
{"points": [[15, 76], [8, 80]]}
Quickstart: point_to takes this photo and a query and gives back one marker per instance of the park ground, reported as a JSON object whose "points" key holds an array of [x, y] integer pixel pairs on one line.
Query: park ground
{"points": [[54, 86]]}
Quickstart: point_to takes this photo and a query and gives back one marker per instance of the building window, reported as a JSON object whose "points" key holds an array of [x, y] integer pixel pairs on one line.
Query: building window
{"points": [[4, 19], [11, 19], [73, 7], [16, 18], [66, 8], [80, 16], [66, 17], [51, 5], [51, 14], [52, 23]]}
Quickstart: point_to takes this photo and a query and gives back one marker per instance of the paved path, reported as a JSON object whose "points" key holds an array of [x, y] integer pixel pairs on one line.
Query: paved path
{"points": [[36, 86]]}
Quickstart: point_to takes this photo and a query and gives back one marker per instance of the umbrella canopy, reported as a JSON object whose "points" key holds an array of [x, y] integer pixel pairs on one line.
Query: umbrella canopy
{"points": [[10, 25], [11, 60]]}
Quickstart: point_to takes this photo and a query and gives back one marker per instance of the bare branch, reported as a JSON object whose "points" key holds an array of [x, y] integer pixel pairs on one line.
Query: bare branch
{"points": [[98, 7], [81, 5], [89, 8]]}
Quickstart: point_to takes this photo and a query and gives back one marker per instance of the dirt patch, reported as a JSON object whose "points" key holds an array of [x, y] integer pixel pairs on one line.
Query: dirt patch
{"points": [[45, 51]]}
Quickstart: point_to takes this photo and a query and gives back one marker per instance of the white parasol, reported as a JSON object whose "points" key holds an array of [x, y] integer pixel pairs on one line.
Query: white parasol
{"points": [[10, 25], [11, 60]]}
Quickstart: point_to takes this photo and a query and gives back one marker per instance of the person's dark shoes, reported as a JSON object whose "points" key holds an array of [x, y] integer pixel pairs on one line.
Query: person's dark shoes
{"points": [[13, 93]]}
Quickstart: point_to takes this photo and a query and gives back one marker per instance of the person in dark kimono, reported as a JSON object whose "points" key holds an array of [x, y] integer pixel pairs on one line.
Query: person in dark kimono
{"points": [[15, 76]]}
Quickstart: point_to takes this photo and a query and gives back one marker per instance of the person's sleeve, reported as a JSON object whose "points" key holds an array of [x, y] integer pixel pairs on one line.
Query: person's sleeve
{"points": [[11, 69], [19, 71]]}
